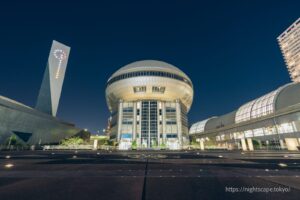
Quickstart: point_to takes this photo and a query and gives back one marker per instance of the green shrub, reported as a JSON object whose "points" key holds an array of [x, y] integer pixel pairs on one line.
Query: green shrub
{"points": [[72, 141]]}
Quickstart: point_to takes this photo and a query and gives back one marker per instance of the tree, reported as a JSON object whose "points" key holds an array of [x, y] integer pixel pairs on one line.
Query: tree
{"points": [[134, 145]]}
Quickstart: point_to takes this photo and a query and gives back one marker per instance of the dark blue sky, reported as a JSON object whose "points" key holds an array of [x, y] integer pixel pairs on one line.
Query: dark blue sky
{"points": [[227, 48]]}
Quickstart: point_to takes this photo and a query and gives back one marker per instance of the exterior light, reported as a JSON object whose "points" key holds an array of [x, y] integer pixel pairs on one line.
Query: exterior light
{"points": [[282, 165], [8, 165], [7, 157], [74, 156], [60, 55]]}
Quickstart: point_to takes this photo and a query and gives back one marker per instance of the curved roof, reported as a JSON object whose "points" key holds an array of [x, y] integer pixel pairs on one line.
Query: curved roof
{"points": [[154, 65], [199, 127], [266, 104], [282, 98]]}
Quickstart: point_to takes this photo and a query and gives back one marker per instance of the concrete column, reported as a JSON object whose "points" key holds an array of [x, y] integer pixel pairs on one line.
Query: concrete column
{"points": [[179, 127], [202, 147], [244, 145], [95, 146], [134, 122], [163, 107], [158, 125], [120, 117], [140, 124], [238, 145], [282, 146], [291, 144], [250, 144]]}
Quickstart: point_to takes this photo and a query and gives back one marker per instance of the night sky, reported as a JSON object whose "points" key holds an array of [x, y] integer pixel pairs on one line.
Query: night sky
{"points": [[227, 48]]}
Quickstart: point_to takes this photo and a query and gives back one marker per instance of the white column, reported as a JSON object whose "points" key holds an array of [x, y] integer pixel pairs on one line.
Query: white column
{"points": [[291, 144], [140, 124], [95, 146], [134, 122], [282, 146], [120, 116], [178, 119], [244, 145], [250, 144], [202, 147], [158, 125], [163, 107]]}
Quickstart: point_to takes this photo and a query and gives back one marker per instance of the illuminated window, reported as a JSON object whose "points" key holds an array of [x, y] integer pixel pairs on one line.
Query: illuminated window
{"points": [[258, 132], [238, 135], [222, 137], [138, 89], [271, 130], [158, 89], [286, 128], [248, 133]]}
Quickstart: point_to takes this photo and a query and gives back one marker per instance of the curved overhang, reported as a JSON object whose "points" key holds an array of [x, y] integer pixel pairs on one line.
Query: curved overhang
{"points": [[128, 88], [145, 65]]}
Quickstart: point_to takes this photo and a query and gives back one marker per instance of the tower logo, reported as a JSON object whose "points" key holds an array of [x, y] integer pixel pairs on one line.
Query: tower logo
{"points": [[60, 55]]}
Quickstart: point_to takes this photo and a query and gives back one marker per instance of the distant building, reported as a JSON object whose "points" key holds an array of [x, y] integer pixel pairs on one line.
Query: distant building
{"points": [[39, 126], [289, 42], [149, 101]]}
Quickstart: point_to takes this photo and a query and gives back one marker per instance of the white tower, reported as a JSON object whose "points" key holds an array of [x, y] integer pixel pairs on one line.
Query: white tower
{"points": [[50, 91]]}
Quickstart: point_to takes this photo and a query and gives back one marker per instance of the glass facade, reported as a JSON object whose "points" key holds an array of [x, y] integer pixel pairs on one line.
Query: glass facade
{"points": [[198, 127], [151, 123], [257, 108], [149, 127], [149, 73]]}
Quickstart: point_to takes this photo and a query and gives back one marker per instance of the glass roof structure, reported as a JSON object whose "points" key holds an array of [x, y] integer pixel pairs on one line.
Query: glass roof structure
{"points": [[259, 107], [199, 126]]}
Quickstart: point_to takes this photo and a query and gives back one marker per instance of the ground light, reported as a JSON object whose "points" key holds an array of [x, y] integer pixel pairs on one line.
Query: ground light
{"points": [[282, 165], [8, 165]]}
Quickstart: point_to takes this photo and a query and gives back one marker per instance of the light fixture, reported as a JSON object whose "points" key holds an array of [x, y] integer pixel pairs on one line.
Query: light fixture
{"points": [[9, 165]]}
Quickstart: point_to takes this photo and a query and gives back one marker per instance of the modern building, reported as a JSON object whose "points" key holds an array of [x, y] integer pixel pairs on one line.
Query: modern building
{"points": [[149, 101], [289, 42], [269, 122], [39, 126]]}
